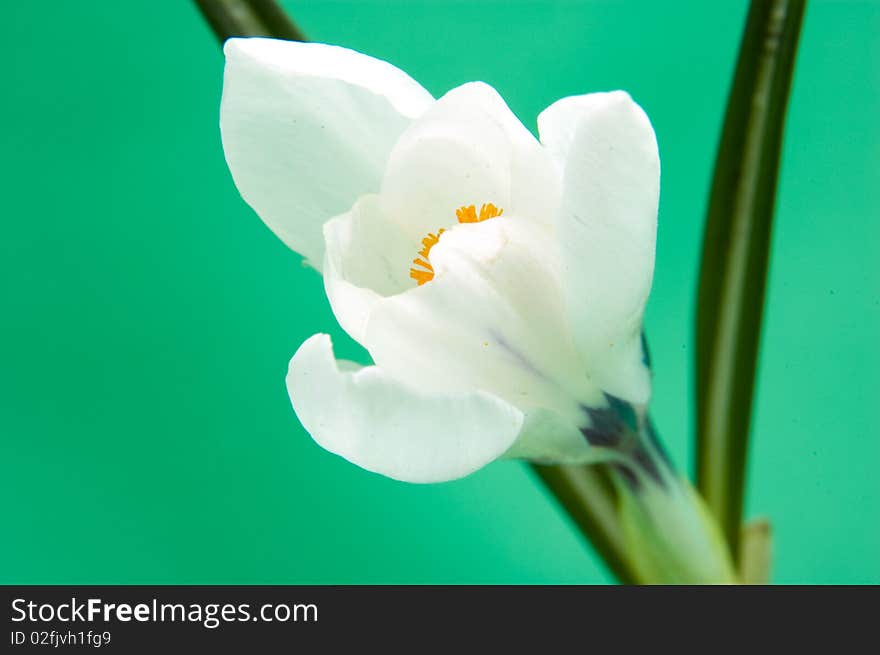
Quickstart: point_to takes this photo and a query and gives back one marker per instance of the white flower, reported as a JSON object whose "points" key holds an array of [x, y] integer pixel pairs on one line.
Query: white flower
{"points": [[498, 282]]}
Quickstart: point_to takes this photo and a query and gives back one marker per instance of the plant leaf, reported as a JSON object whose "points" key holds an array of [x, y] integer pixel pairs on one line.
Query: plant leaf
{"points": [[736, 246]]}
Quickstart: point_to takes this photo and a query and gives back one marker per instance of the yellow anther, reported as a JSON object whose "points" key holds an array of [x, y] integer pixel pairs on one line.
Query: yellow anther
{"points": [[469, 214], [466, 214]]}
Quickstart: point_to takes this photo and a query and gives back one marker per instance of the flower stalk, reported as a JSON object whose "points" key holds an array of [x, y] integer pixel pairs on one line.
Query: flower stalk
{"points": [[590, 498], [671, 537], [646, 521], [735, 255]]}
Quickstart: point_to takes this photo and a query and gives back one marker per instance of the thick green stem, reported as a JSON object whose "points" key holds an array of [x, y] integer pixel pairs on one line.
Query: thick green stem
{"points": [[671, 537], [735, 255], [647, 522]]}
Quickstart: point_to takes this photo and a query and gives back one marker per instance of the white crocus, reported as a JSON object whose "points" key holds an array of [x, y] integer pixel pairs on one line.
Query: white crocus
{"points": [[497, 281]]}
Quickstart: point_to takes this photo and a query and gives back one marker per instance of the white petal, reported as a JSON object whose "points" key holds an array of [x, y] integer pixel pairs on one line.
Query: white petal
{"points": [[367, 258], [607, 227], [307, 128], [391, 428], [492, 319], [467, 149], [549, 438]]}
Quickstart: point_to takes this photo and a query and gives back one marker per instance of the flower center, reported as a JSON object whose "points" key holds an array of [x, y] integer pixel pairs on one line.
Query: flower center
{"points": [[465, 215]]}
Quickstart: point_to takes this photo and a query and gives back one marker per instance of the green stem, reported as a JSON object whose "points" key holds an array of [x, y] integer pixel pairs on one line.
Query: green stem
{"points": [[671, 536], [230, 18], [645, 520], [735, 255], [589, 496]]}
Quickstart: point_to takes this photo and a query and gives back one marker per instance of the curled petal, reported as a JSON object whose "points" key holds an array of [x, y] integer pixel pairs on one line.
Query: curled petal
{"points": [[392, 428], [367, 258], [307, 129]]}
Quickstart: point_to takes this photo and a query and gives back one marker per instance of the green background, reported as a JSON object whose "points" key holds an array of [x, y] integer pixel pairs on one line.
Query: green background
{"points": [[148, 315]]}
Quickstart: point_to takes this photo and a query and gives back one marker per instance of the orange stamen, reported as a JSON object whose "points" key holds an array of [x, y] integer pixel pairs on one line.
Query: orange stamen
{"points": [[466, 214], [422, 276]]}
